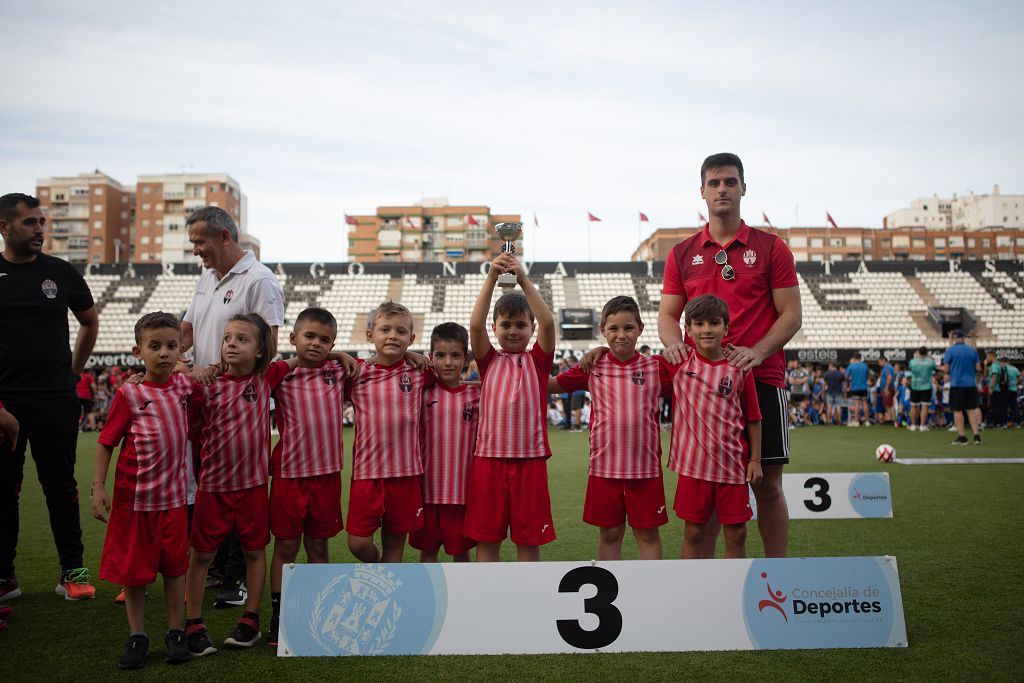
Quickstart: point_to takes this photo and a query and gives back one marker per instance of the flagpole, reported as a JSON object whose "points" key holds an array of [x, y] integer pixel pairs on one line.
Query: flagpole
{"points": [[589, 254]]}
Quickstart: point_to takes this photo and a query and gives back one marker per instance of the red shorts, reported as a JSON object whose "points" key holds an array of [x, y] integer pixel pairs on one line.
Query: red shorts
{"points": [[394, 504], [216, 515], [306, 505], [696, 499], [887, 398], [442, 525], [610, 502], [509, 494], [141, 544]]}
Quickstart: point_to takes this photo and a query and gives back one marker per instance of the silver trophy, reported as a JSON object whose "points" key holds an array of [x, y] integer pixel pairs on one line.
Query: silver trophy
{"points": [[509, 232]]}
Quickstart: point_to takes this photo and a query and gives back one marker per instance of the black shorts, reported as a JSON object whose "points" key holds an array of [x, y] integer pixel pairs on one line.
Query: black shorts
{"points": [[86, 404], [774, 424], [922, 396], [963, 398], [797, 398], [858, 393]]}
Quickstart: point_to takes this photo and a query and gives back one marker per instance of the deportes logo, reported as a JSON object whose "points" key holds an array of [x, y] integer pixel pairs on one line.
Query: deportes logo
{"points": [[818, 602], [405, 383], [227, 296], [249, 394], [870, 495], [725, 386], [363, 610], [638, 378], [750, 257], [49, 289]]}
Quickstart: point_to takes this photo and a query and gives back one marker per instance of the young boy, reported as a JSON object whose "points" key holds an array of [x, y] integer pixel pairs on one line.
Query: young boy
{"points": [[147, 531], [716, 421], [305, 496], [386, 464], [508, 487], [624, 481], [450, 417]]}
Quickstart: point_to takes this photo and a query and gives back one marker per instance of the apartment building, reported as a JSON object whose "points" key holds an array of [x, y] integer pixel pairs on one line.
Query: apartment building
{"points": [[89, 216]]}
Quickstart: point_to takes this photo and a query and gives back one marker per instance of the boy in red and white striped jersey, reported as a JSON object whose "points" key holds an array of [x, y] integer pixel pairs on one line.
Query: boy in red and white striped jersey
{"points": [[147, 531], [450, 418], [508, 488], [386, 491], [305, 496], [624, 480], [716, 434]]}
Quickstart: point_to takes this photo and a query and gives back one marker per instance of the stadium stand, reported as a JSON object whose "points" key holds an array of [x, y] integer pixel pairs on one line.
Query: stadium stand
{"points": [[850, 305]]}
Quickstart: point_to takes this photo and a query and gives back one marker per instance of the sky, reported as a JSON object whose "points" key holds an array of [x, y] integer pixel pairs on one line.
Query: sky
{"points": [[557, 109]]}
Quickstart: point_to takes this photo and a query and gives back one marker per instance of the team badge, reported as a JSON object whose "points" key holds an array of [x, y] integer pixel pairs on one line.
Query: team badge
{"points": [[638, 378], [467, 412], [697, 260], [749, 257], [328, 378], [227, 296], [50, 289], [357, 613], [725, 386], [405, 383], [250, 393]]}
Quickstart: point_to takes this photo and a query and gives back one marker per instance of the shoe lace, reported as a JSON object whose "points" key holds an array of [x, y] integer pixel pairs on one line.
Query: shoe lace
{"points": [[80, 575]]}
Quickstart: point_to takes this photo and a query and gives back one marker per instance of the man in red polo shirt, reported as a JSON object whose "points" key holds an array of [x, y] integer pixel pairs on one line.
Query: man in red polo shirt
{"points": [[753, 271]]}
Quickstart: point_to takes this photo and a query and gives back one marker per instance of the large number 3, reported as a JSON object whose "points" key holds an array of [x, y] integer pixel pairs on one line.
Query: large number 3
{"points": [[822, 501], [609, 617]]}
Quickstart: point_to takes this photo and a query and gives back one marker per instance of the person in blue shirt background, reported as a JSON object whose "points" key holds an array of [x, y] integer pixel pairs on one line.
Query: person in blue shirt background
{"points": [[963, 365], [857, 389], [886, 389]]}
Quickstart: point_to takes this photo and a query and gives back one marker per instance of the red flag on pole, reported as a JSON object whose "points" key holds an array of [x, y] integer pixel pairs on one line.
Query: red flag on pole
{"points": [[351, 220], [703, 221], [643, 218], [471, 220], [831, 221], [767, 222], [592, 218], [408, 222]]}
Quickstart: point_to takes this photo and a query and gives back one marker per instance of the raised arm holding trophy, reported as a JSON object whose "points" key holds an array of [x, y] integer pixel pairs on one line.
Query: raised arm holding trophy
{"points": [[509, 232]]}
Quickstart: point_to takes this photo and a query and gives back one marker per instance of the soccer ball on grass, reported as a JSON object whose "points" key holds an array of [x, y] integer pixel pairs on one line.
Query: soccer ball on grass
{"points": [[885, 453]]}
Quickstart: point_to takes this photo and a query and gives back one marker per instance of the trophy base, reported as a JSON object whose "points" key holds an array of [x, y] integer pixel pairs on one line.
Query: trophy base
{"points": [[507, 280]]}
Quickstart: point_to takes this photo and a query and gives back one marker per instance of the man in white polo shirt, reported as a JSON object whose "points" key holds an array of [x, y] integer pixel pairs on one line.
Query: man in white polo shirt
{"points": [[233, 282]]}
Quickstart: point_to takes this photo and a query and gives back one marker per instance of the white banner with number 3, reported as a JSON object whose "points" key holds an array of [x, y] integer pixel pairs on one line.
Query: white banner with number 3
{"points": [[836, 495]]}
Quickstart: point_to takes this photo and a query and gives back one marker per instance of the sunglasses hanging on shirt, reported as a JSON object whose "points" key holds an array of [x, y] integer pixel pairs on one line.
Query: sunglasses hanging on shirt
{"points": [[722, 259]]}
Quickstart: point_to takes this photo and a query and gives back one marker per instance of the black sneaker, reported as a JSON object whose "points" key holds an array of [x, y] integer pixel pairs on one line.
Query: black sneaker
{"points": [[199, 643], [977, 439], [177, 647], [272, 631], [230, 595], [246, 633], [959, 441], [135, 652]]}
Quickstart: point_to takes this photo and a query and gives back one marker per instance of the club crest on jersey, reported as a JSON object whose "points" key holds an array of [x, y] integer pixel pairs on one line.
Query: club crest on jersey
{"points": [[725, 386], [698, 260], [250, 393], [328, 378], [50, 289], [638, 378], [749, 257], [227, 296], [467, 412], [405, 383]]}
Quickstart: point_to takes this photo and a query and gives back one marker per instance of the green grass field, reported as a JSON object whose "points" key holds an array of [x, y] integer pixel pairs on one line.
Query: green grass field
{"points": [[956, 533]]}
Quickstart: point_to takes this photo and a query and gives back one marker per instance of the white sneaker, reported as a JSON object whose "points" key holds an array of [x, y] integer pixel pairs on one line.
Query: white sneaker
{"points": [[912, 428], [854, 424], [924, 428], [952, 429]]}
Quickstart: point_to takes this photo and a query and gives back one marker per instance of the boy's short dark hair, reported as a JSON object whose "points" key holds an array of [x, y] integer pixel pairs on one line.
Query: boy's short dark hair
{"points": [[645, 349], [923, 350], [450, 332], [387, 310], [9, 204], [155, 321], [706, 307], [512, 305], [855, 357], [619, 304], [718, 161], [317, 315]]}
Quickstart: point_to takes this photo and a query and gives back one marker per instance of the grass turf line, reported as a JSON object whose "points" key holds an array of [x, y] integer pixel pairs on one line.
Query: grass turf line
{"points": [[956, 534]]}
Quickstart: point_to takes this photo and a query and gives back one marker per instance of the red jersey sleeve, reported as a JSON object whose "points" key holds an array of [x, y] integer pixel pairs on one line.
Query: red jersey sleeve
{"points": [[118, 421], [429, 378], [543, 360], [751, 409], [483, 362], [275, 373], [573, 379], [666, 375], [783, 268], [672, 283]]}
